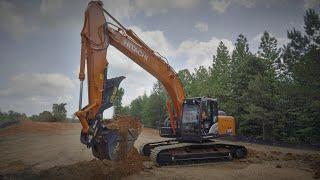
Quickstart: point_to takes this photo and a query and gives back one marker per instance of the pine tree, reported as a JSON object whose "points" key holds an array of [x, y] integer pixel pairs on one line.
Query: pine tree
{"points": [[185, 78], [241, 51], [269, 52], [302, 57], [220, 75], [199, 82], [239, 76]]}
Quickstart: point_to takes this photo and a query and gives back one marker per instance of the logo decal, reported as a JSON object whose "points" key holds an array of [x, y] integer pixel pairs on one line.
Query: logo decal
{"points": [[137, 50]]}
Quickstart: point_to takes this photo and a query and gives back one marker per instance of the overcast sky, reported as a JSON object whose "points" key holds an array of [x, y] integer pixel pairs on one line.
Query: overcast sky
{"points": [[40, 41]]}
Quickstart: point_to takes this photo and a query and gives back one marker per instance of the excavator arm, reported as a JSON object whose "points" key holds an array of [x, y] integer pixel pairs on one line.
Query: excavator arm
{"points": [[97, 34], [108, 140]]}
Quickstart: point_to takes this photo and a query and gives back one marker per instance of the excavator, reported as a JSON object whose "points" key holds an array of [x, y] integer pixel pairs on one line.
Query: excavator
{"points": [[192, 124]]}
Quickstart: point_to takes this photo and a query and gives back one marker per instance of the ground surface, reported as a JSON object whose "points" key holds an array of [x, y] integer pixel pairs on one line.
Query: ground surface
{"points": [[53, 151]]}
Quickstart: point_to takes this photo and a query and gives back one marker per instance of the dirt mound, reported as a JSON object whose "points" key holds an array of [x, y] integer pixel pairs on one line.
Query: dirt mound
{"points": [[277, 155], [303, 161], [94, 169], [27, 126]]}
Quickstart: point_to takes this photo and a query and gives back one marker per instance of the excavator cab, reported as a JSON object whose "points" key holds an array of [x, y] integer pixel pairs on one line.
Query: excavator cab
{"points": [[199, 115], [201, 120]]}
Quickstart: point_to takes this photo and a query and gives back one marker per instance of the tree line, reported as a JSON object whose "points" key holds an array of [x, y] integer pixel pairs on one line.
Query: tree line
{"points": [[274, 94], [58, 114], [11, 115]]}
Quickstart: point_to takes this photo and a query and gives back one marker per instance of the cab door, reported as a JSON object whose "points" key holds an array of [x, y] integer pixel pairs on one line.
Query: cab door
{"points": [[190, 124]]}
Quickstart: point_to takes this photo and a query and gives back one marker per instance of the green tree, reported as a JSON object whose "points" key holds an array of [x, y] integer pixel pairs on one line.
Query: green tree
{"points": [[159, 100], [185, 78], [136, 107], [269, 52], [269, 86], [12, 115], [59, 112], [199, 82], [274, 94], [46, 116], [302, 58], [240, 76], [117, 104], [220, 75], [241, 51]]}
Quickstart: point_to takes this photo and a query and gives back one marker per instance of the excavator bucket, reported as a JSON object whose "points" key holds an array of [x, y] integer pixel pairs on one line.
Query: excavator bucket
{"points": [[109, 92], [118, 139], [114, 137]]}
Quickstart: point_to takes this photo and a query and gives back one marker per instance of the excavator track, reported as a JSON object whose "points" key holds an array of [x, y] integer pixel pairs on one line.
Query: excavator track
{"points": [[193, 153], [145, 149]]}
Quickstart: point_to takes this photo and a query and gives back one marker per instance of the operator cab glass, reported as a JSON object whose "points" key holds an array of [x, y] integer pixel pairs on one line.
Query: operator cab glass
{"points": [[190, 120], [198, 116], [190, 114]]}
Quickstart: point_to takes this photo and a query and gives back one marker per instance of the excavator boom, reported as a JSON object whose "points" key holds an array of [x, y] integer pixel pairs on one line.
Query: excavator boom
{"points": [[154, 64], [97, 34], [193, 121]]}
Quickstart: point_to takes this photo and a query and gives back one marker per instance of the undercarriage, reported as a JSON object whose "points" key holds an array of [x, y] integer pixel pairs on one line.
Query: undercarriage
{"points": [[173, 152]]}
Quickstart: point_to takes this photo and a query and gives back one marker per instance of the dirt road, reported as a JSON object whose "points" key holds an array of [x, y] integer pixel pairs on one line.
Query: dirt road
{"points": [[53, 151]]}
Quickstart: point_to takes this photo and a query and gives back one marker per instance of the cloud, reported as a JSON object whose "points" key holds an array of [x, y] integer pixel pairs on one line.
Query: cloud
{"points": [[201, 26], [221, 5], [37, 84], [49, 7], [35, 92], [155, 39], [137, 80], [200, 53], [247, 3], [151, 8], [311, 3], [12, 21], [21, 18], [120, 9]]}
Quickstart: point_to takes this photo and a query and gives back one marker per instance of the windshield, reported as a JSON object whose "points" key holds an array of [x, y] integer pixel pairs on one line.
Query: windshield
{"points": [[190, 113]]}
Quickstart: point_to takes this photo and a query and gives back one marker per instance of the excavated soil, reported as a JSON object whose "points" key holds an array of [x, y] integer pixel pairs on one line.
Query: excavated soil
{"points": [[125, 125], [27, 126], [93, 169], [96, 169], [52, 151], [305, 161]]}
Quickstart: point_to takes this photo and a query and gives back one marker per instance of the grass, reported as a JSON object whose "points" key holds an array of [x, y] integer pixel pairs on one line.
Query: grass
{"points": [[5, 118]]}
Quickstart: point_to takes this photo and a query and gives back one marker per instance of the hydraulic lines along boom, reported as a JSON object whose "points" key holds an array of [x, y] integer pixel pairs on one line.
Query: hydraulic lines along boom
{"points": [[193, 121]]}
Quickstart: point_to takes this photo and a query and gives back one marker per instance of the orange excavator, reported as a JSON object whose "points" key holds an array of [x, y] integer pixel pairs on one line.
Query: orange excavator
{"points": [[192, 123]]}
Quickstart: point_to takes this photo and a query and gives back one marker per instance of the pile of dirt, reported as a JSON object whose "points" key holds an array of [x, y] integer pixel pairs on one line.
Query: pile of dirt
{"points": [[296, 159], [94, 169], [27, 126], [277, 155]]}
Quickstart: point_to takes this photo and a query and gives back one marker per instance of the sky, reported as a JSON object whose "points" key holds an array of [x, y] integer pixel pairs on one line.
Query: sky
{"points": [[40, 42]]}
